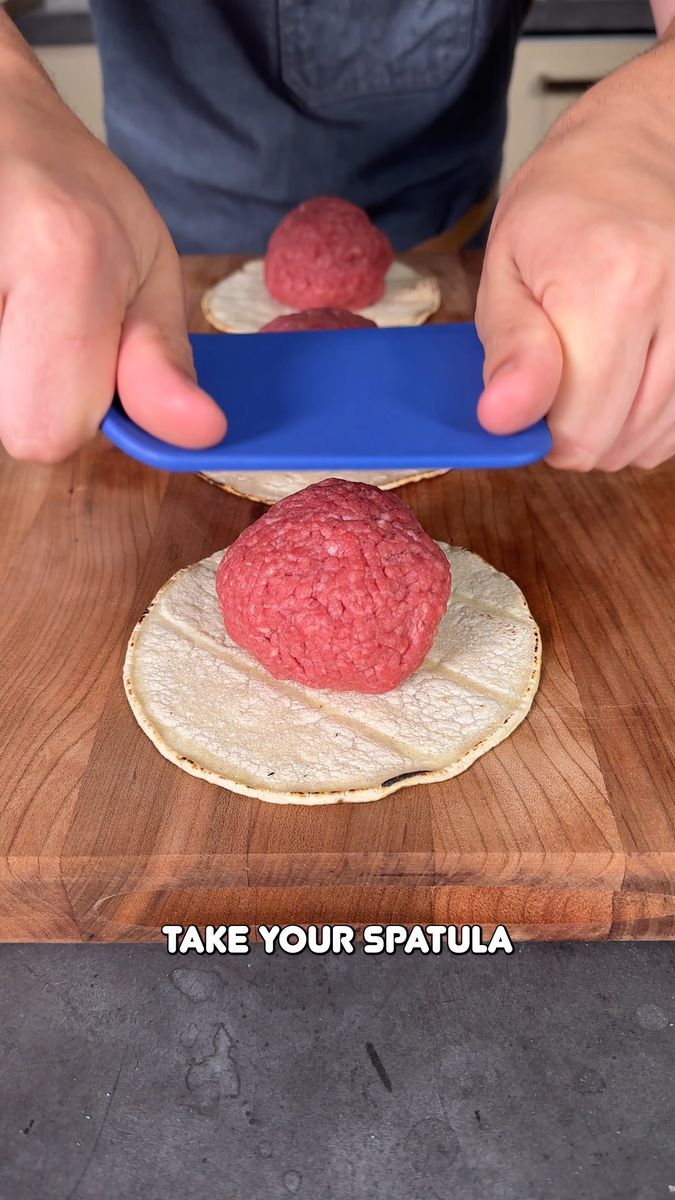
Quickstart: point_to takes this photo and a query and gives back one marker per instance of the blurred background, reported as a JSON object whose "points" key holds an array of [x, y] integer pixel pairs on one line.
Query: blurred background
{"points": [[567, 46]]}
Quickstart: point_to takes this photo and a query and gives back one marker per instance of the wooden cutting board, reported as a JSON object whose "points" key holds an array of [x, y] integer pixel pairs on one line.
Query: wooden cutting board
{"points": [[567, 830]]}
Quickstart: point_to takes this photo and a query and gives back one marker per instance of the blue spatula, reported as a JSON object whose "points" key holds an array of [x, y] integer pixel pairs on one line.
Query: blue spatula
{"points": [[355, 399]]}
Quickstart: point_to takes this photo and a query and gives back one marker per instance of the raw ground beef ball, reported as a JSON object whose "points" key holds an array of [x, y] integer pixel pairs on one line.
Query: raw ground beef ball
{"points": [[318, 318], [327, 253], [337, 586]]}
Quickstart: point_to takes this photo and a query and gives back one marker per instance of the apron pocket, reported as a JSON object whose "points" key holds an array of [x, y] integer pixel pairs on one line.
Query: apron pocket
{"points": [[335, 51]]}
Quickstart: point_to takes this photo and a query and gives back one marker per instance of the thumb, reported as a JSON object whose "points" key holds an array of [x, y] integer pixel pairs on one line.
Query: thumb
{"points": [[523, 355], [155, 372]]}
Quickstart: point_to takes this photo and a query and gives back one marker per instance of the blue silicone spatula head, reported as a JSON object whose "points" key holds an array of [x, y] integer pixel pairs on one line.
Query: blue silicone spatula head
{"points": [[353, 399]]}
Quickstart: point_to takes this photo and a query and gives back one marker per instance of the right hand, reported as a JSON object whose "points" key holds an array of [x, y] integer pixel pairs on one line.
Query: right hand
{"points": [[92, 294]]}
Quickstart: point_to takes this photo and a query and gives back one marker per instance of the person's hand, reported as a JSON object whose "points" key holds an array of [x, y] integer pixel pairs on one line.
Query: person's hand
{"points": [[91, 285], [576, 307]]}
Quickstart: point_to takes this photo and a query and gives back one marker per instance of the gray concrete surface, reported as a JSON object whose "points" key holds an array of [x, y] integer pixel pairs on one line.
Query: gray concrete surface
{"points": [[130, 1075]]}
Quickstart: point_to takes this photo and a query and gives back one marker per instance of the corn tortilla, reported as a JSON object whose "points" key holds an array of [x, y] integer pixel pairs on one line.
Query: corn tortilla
{"points": [[240, 303], [266, 487], [211, 709]]}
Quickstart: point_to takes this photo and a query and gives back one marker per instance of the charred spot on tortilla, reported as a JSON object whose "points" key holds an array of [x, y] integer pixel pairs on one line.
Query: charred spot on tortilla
{"points": [[387, 783]]}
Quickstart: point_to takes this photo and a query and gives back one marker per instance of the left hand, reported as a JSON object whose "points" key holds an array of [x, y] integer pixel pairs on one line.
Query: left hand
{"points": [[576, 307]]}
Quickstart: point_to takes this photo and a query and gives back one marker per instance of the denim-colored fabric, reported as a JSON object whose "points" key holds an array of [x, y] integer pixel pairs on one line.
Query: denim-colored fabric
{"points": [[232, 111]]}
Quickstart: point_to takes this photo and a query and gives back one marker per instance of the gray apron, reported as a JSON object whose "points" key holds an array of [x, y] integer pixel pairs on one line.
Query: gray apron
{"points": [[230, 112]]}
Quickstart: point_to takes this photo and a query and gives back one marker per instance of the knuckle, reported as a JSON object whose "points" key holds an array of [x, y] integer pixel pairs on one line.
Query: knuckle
{"points": [[584, 459], [615, 459], [513, 341], [47, 437], [651, 459], [174, 344], [626, 261], [573, 456], [52, 452], [37, 448], [69, 238], [636, 283], [613, 467], [479, 316]]}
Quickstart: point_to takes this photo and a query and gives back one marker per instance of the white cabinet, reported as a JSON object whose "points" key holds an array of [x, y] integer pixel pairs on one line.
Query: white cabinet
{"points": [[76, 73]]}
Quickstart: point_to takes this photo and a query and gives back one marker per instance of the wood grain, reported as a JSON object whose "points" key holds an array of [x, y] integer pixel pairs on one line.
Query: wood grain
{"points": [[547, 914], [566, 830]]}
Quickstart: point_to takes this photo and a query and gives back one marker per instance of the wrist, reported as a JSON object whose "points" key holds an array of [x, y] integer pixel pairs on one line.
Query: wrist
{"points": [[637, 99]]}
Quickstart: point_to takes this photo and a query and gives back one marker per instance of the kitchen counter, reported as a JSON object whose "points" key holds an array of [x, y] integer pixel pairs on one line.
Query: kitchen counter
{"points": [[566, 830], [131, 1074]]}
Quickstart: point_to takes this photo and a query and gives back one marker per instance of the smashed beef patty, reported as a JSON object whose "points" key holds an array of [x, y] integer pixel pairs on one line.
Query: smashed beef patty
{"points": [[337, 586], [327, 253], [317, 318]]}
